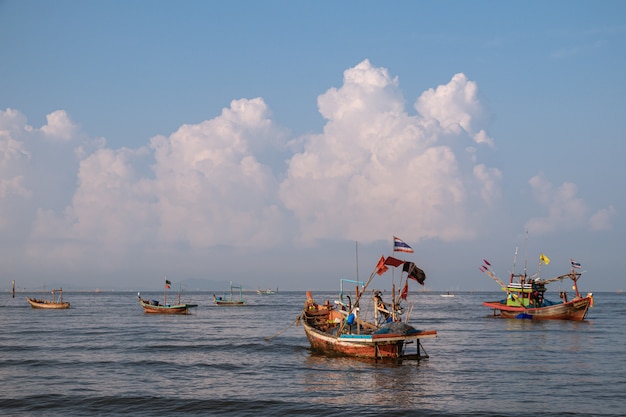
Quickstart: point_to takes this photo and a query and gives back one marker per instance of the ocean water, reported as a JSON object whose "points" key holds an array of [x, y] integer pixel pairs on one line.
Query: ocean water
{"points": [[105, 357]]}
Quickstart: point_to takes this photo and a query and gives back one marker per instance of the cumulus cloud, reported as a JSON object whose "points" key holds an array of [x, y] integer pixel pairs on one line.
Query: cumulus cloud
{"points": [[59, 126], [455, 107], [602, 219], [206, 188], [376, 169], [565, 209], [210, 187]]}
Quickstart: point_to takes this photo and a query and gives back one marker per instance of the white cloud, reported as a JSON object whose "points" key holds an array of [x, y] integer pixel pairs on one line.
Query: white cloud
{"points": [[566, 211], [377, 170], [211, 189], [207, 189], [456, 107], [602, 219], [14, 157], [59, 126], [374, 171], [490, 179]]}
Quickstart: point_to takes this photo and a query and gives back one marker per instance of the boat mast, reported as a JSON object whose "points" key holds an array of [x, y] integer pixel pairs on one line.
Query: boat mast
{"points": [[164, 295], [514, 262], [526, 255], [393, 285], [356, 248]]}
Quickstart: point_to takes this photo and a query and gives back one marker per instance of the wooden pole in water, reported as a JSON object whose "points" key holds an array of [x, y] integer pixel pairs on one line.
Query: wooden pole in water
{"points": [[13, 288]]}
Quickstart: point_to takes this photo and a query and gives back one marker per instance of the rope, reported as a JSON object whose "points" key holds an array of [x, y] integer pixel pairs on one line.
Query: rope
{"points": [[285, 329]]}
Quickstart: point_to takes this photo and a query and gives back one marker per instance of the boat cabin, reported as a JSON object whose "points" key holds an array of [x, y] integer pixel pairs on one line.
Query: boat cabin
{"points": [[524, 292]]}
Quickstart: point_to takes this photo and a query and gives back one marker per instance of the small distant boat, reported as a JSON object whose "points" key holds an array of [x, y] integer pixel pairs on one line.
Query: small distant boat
{"points": [[343, 329], [55, 303], [447, 295], [228, 299], [154, 306], [266, 291], [525, 296]]}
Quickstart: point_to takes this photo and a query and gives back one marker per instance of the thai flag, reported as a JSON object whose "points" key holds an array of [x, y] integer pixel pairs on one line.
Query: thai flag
{"points": [[574, 263], [400, 246]]}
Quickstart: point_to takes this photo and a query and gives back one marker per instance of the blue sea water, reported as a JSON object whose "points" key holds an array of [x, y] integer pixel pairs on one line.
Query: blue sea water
{"points": [[105, 357]]}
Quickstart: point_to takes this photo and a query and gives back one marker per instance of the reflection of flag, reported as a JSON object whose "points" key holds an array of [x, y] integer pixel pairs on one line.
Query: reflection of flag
{"points": [[543, 258], [380, 267], [393, 261], [574, 263], [400, 246], [167, 283], [414, 272]]}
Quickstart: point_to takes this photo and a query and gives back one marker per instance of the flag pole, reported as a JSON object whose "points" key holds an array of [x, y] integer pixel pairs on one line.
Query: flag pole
{"points": [[356, 248], [393, 282]]}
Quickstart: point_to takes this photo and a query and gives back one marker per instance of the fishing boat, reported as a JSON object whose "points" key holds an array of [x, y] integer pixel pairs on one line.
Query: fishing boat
{"points": [[55, 303], [156, 307], [447, 295], [228, 299], [525, 296], [266, 291], [377, 331]]}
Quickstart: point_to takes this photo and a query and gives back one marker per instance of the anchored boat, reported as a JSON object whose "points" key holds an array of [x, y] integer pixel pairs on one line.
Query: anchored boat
{"points": [[346, 328], [525, 296], [55, 303], [228, 299], [154, 306]]}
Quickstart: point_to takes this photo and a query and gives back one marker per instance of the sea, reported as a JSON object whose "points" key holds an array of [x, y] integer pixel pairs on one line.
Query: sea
{"points": [[106, 357]]}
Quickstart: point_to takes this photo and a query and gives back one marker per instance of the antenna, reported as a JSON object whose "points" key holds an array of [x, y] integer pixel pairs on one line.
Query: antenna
{"points": [[526, 253]]}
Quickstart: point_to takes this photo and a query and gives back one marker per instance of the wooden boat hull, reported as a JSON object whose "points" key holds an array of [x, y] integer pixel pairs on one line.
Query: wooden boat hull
{"points": [[575, 309], [36, 303], [230, 303], [371, 346], [165, 309]]}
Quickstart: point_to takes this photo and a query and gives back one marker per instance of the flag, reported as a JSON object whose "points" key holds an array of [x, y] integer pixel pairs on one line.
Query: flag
{"points": [[400, 246], [168, 283], [414, 272], [543, 258], [486, 262], [405, 291], [575, 264], [393, 261], [380, 267]]}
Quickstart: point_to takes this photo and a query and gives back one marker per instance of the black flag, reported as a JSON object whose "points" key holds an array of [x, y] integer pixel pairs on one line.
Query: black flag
{"points": [[414, 272]]}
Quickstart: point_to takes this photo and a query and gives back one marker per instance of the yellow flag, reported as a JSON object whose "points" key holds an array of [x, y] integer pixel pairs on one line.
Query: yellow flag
{"points": [[543, 258]]}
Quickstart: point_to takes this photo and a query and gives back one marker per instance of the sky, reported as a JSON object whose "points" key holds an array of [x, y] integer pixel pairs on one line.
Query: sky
{"points": [[283, 144]]}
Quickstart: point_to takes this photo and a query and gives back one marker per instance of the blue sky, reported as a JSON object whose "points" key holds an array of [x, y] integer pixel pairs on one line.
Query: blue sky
{"points": [[258, 141]]}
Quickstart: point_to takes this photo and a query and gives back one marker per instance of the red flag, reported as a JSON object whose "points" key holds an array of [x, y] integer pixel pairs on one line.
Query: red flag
{"points": [[405, 291], [380, 267], [393, 261]]}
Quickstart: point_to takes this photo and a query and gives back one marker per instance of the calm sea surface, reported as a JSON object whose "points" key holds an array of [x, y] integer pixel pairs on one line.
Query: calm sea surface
{"points": [[104, 356]]}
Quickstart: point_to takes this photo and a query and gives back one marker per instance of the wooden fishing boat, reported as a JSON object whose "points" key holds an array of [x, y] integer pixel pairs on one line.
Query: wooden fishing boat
{"points": [[55, 303], [228, 299], [525, 296], [344, 329], [155, 307]]}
